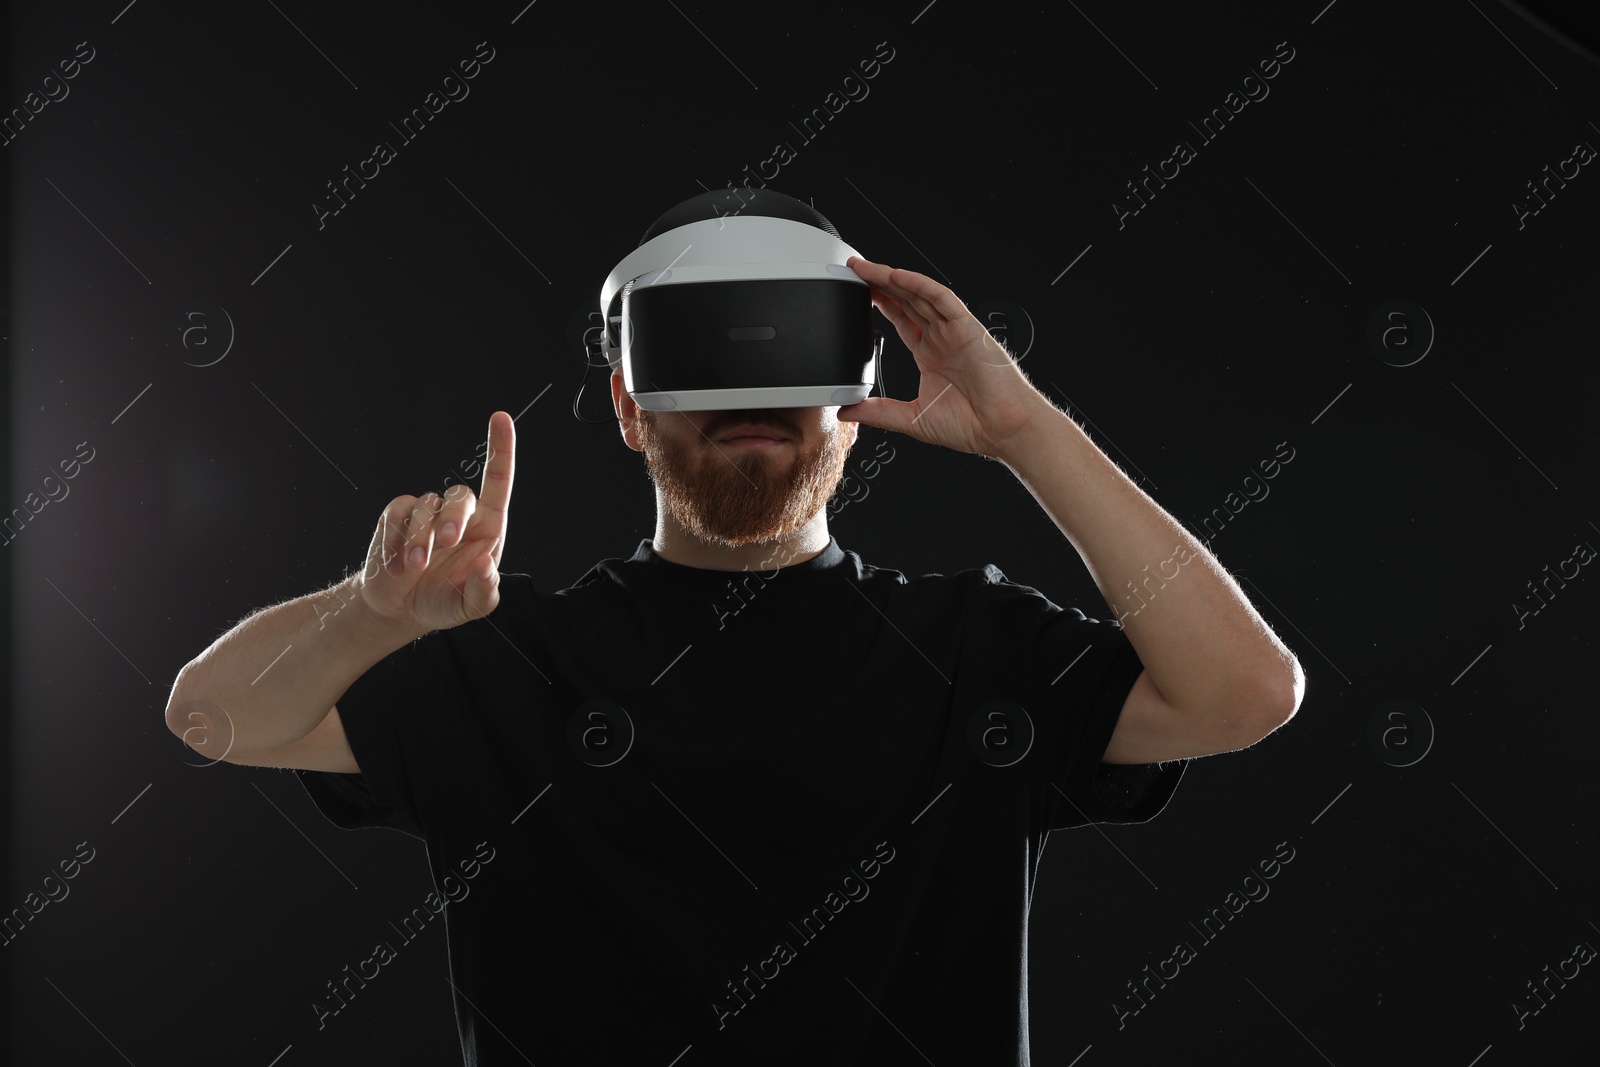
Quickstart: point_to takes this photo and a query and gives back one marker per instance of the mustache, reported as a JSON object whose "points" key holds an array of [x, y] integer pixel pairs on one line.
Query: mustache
{"points": [[754, 418]]}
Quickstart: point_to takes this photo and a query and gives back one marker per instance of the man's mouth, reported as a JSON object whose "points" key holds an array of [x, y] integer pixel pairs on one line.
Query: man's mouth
{"points": [[746, 436]]}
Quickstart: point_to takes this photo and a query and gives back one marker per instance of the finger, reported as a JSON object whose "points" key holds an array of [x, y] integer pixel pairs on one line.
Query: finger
{"points": [[884, 413], [419, 543], [495, 498], [478, 586], [906, 325], [904, 318], [460, 503], [395, 533], [924, 295], [876, 275], [422, 513], [920, 303]]}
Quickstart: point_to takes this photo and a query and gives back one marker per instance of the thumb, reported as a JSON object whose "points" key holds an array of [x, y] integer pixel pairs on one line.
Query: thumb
{"points": [[485, 572], [479, 588], [882, 413]]}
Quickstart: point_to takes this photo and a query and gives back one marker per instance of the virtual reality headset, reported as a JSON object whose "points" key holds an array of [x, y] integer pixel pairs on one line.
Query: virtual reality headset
{"points": [[735, 302]]}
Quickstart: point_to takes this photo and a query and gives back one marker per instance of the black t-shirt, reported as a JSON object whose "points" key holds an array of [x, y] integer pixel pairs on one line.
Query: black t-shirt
{"points": [[779, 817]]}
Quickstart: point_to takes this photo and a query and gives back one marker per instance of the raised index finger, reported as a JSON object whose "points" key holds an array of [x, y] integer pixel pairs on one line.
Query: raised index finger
{"points": [[499, 468]]}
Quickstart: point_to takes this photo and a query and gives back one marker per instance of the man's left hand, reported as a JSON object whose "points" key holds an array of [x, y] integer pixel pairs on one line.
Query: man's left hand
{"points": [[973, 397]]}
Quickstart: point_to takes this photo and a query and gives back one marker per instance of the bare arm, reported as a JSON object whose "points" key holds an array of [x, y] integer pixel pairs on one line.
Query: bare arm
{"points": [[1216, 678], [273, 678], [263, 694]]}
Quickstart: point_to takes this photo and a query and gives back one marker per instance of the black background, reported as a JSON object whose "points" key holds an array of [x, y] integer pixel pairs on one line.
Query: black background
{"points": [[1228, 316]]}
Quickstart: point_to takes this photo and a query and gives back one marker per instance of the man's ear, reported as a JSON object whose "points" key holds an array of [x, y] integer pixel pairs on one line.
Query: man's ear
{"points": [[627, 412], [854, 430]]}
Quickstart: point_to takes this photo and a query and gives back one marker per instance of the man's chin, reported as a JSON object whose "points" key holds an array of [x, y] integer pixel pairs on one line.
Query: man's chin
{"points": [[739, 498], [722, 534]]}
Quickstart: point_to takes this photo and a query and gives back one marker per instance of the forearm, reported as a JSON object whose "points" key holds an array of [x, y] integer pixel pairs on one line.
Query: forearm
{"points": [[1198, 636], [271, 679]]}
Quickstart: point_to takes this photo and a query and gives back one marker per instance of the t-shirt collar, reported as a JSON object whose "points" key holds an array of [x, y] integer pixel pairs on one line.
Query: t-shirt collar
{"points": [[831, 561]]}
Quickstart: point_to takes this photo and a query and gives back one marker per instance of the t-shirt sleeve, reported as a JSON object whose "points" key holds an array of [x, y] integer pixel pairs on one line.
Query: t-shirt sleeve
{"points": [[1082, 789], [401, 718], [1076, 673]]}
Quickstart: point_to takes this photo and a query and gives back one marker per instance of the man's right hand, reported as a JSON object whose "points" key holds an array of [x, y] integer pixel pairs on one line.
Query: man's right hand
{"points": [[434, 561]]}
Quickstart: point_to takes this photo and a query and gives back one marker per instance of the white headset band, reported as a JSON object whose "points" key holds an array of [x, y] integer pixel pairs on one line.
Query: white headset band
{"points": [[744, 272], [728, 242]]}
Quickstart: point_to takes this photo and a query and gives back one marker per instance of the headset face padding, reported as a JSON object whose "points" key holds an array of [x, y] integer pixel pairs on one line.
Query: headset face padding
{"points": [[735, 302]]}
